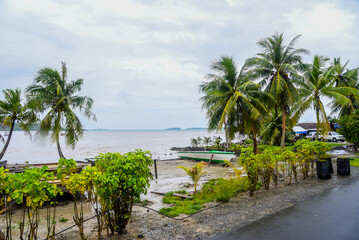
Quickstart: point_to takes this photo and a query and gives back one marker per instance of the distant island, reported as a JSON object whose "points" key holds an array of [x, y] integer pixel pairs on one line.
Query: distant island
{"points": [[172, 129]]}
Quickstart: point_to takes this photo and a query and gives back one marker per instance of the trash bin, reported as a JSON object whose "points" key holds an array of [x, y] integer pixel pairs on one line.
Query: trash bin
{"points": [[323, 169], [329, 160], [343, 166]]}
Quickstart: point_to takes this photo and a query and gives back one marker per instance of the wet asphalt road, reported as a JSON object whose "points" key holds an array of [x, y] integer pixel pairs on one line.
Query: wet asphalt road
{"points": [[331, 215]]}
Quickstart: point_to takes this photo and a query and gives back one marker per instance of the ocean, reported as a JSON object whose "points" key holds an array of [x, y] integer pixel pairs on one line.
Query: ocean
{"points": [[22, 148]]}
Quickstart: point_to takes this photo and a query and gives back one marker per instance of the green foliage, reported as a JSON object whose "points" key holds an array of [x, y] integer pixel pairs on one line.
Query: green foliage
{"points": [[236, 148], [321, 148], [252, 167], [266, 163], [32, 187], [123, 178], [62, 219], [354, 162], [57, 98], [65, 167], [206, 142], [4, 186], [195, 172], [215, 189], [12, 110], [349, 127]]}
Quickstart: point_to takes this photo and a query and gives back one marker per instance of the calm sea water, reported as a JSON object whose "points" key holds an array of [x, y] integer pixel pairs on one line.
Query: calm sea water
{"points": [[22, 148]]}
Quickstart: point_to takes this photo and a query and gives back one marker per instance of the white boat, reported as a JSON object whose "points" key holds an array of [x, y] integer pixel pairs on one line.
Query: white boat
{"points": [[217, 156]]}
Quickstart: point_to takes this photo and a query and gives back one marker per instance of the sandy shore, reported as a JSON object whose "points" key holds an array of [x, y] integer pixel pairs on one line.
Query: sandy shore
{"points": [[239, 210]]}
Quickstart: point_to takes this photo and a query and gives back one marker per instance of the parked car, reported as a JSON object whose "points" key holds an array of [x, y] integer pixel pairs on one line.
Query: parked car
{"points": [[333, 137], [330, 137], [311, 136]]}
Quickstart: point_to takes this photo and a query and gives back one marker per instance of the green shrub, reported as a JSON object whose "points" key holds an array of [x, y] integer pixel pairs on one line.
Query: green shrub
{"points": [[123, 178], [252, 167], [349, 127]]}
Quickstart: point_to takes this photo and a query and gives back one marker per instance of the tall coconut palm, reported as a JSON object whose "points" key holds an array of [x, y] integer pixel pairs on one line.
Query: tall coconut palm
{"points": [[57, 97], [13, 111], [318, 83], [229, 97], [275, 66]]}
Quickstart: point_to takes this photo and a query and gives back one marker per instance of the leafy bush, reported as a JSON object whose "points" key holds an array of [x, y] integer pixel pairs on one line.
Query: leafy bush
{"points": [[31, 189], [321, 148], [123, 178], [252, 167], [266, 163], [349, 127], [306, 154]]}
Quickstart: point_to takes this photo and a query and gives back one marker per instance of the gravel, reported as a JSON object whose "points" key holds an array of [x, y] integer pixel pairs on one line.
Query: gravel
{"points": [[240, 210]]}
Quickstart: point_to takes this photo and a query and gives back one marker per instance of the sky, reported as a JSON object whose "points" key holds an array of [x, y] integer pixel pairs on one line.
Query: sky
{"points": [[143, 61]]}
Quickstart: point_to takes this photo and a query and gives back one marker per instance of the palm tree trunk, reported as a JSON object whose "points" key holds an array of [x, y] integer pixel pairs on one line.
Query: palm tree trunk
{"points": [[227, 135], [255, 146], [317, 113], [59, 148], [282, 144], [7, 140]]}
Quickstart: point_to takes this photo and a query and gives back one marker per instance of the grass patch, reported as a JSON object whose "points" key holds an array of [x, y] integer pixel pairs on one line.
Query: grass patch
{"points": [[354, 162], [215, 189], [332, 144]]}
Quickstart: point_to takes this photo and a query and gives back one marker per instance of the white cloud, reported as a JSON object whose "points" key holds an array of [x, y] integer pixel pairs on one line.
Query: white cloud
{"points": [[324, 20], [149, 57]]}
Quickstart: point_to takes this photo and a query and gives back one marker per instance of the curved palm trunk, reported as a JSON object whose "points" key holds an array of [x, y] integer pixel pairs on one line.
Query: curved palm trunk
{"points": [[7, 140], [59, 148], [282, 144]]}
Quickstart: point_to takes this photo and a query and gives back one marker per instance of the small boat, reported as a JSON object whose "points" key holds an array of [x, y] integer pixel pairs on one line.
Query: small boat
{"points": [[217, 156], [3, 163]]}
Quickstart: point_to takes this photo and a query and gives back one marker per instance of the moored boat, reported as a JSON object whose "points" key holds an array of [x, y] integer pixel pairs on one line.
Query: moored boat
{"points": [[216, 156]]}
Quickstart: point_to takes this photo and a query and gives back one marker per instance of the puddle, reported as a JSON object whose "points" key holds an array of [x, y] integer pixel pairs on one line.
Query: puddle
{"points": [[338, 152]]}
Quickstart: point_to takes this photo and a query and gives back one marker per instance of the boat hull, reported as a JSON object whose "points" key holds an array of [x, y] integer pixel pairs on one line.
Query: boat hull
{"points": [[206, 156]]}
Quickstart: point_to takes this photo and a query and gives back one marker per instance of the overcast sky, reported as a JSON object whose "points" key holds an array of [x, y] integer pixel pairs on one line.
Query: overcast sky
{"points": [[142, 61]]}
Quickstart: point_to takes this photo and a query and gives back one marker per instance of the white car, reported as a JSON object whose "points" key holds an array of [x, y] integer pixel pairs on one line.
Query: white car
{"points": [[311, 136], [330, 137], [333, 137]]}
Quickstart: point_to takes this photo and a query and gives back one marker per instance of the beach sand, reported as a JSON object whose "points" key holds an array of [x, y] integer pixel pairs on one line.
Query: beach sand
{"points": [[240, 210]]}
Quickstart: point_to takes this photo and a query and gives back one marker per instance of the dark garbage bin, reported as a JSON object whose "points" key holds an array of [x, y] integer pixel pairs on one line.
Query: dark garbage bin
{"points": [[323, 169], [329, 160], [343, 166]]}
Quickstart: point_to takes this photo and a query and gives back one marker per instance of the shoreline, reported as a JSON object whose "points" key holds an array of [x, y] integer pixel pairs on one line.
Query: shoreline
{"points": [[238, 211]]}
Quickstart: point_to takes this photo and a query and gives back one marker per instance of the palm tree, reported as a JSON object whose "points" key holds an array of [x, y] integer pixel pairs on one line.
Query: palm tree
{"points": [[271, 131], [345, 78], [13, 111], [206, 142], [275, 66], [319, 82], [54, 94], [230, 98]]}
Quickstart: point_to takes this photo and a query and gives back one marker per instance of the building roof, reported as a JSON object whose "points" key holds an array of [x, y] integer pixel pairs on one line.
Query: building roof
{"points": [[307, 125]]}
